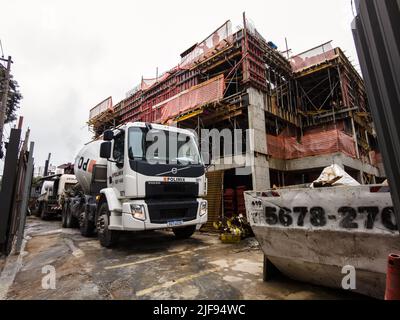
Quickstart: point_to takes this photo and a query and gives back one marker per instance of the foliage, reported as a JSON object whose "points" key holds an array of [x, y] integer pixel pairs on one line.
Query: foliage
{"points": [[14, 96], [237, 225]]}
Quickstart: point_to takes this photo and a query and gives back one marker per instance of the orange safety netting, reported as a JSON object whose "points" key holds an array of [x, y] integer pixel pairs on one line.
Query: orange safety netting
{"points": [[313, 57], [104, 106], [376, 158], [204, 93], [312, 144], [217, 40], [148, 83]]}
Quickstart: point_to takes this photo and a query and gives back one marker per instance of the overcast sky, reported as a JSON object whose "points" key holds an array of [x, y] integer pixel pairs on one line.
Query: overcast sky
{"points": [[70, 55]]}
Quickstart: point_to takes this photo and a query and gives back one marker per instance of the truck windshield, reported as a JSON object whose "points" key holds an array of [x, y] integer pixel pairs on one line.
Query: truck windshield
{"points": [[163, 147]]}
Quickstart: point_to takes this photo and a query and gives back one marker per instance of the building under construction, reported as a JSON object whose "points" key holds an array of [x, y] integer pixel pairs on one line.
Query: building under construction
{"points": [[306, 111]]}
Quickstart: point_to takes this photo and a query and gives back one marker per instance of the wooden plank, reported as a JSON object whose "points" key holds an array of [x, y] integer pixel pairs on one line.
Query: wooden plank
{"points": [[214, 198]]}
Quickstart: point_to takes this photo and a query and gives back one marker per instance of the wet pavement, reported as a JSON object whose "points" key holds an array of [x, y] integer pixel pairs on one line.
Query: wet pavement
{"points": [[151, 265]]}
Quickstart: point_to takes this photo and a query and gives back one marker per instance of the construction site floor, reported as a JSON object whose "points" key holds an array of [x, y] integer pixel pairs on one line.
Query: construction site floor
{"points": [[143, 266]]}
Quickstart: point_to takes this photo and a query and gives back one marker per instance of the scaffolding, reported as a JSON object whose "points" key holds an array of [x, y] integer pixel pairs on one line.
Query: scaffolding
{"points": [[309, 98]]}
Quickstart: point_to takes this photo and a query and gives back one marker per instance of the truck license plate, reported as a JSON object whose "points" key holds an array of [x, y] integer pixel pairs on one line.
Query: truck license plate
{"points": [[175, 223]]}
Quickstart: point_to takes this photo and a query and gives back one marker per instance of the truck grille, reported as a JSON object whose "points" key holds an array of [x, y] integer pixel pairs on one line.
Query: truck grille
{"points": [[168, 214], [162, 212], [157, 190]]}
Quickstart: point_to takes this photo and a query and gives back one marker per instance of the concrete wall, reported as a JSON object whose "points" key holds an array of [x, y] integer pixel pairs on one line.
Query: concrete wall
{"points": [[258, 147], [310, 163]]}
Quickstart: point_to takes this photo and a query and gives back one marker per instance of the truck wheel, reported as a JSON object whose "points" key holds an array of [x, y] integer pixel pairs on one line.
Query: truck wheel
{"points": [[38, 209], [184, 233], [35, 210], [86, 227], [108, 238], [71, 221], [64, 215], [43, 214]]}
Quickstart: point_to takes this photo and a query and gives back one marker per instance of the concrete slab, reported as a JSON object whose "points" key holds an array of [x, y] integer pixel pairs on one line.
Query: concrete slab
{"points": [[148, 266]]}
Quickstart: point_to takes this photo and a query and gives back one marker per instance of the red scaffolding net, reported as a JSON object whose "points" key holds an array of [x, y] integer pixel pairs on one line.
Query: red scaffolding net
{"points": [[313, 57], [317, 142], [376, 158], [101, 108], [197, 96], [216, 41]]}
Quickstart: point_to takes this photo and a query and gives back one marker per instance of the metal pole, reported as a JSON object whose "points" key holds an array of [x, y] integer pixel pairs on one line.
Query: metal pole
{"points": [[353, 127], [25, 195], [246, 75], [3, 106], [46, 166], [375, 31], [287, 49], [8, 186]]}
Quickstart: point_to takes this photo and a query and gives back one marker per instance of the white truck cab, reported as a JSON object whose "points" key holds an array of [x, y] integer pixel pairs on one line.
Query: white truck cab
{"points": [[155, 179]]}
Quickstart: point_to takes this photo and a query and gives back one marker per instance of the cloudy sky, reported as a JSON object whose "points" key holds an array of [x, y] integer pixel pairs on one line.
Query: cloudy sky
{"points": [[70, 55]]}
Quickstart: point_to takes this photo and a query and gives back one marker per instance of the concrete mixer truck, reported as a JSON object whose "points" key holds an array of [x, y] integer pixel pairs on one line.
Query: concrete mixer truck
{"points": [[138, 177], [52, 193]]}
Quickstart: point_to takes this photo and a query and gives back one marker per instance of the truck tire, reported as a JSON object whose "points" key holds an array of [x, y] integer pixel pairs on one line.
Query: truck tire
{"points": [[35, 209], [38, 210], [64, 215], [184, 233], [70, 220], [43, 213], [85, 225], [108, 238]]}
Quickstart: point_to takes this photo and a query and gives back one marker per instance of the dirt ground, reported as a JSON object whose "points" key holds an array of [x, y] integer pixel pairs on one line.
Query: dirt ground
{"points": [[144, 266]]}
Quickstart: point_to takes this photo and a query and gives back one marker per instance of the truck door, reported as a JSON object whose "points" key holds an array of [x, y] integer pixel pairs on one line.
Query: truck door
{"points": [[116, 167]]}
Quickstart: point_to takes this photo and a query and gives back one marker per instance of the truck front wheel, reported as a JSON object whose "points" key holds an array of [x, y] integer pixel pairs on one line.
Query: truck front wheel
{"points": [[108, 238], [184, 233], [85, 225]]}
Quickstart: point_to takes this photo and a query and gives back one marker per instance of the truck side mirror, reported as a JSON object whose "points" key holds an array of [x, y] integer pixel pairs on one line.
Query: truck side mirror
{"points": [[105, 150], [108, 135]]}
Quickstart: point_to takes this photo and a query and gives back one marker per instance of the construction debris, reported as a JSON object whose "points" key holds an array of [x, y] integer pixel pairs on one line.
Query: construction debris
{"points": [[334, 176]]}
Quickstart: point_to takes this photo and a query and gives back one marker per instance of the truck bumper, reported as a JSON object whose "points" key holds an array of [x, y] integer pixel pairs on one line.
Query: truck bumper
{"points": [[160, 214]]}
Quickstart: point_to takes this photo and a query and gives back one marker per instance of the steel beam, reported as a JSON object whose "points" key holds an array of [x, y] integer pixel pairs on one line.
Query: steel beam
{"points": [[8, 186], [376, 34]]}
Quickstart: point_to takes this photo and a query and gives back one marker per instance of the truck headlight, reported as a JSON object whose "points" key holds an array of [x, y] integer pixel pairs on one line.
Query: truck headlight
{"points": [[138, 212], [203, 208]]}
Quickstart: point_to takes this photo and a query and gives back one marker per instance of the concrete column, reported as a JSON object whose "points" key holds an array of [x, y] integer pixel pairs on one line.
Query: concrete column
{"points": [[355, 138], [361, 177], [260, 173], [259, 147]]}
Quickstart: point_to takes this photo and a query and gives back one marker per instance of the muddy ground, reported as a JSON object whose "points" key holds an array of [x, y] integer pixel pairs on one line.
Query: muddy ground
{"points": [[144, 266]]}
